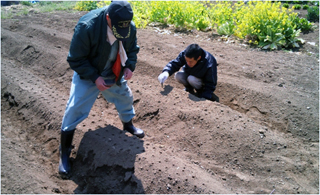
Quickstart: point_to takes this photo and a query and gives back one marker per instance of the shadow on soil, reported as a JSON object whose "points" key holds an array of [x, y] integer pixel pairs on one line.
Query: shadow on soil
{"points": [[105, 163], [166, 90]]}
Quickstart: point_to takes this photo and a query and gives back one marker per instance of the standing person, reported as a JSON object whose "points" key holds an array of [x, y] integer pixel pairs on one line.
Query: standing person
{"points": [[103, 55], [199, 72]]}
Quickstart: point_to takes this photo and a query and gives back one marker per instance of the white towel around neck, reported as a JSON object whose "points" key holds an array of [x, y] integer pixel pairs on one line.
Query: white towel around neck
{"points": [[111, 39]]}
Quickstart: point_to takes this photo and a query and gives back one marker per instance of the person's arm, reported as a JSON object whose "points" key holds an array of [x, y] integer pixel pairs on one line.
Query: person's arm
{"points": [[132, 49], [172, 67], [79, 52], [175, 65]]}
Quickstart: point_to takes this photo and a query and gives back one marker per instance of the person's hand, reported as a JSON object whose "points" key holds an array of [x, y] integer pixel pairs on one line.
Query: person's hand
{"points": [[163, 76], [101, 85], [127, 73]]}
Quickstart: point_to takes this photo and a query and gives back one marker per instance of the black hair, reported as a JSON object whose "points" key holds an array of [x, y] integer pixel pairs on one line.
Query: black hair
{"points": [[193, 51]]}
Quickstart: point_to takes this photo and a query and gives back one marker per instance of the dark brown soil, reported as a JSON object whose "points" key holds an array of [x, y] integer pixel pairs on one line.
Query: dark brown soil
{"points": [[263, 136]]}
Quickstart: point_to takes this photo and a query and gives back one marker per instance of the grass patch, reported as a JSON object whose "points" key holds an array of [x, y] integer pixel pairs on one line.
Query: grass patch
{"points": [[40, 7], [48, 6]]}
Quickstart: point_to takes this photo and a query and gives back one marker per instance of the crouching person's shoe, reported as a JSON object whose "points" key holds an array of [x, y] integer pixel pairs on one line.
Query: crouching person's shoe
{"points": [[132, 129], [189, 89], [215, 98], [210, 96]]}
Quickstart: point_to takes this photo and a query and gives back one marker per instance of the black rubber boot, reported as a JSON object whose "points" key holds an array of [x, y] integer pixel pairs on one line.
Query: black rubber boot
{"points": [[132, 129], [189, 89], [65, 150], [198, 93], [214, 98]]}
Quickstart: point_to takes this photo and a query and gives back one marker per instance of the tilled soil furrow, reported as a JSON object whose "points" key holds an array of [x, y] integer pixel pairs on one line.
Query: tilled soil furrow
{"points": [[33, 88], [262, 137]]}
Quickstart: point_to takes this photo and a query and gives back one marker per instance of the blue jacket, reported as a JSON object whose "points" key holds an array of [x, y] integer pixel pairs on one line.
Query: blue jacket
{"points": [[89, 48], [206, 69]]}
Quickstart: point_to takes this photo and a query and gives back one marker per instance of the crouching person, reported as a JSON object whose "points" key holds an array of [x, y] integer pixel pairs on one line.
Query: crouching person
{"points": [[199, 72]]}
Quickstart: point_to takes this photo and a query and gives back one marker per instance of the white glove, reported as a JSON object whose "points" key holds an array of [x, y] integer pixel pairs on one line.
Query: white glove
{"points": [[163, 76]]}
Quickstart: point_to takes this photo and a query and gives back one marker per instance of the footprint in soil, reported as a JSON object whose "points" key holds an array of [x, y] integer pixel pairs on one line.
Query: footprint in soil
{"points": [[10, 98]]}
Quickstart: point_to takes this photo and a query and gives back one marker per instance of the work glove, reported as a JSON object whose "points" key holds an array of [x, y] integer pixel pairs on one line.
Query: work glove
{"points": [[163, 76]]}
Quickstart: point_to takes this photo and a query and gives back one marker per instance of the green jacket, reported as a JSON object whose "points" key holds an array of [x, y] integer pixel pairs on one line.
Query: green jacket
{"points": [[89, 49]]}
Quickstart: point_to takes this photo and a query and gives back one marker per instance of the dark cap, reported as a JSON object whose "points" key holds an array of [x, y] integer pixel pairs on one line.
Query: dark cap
{"points": [[121, 14]]}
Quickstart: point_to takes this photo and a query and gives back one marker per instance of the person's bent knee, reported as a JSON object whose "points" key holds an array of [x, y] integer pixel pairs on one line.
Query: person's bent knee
{"points": [[194, 82], [181, 77]]}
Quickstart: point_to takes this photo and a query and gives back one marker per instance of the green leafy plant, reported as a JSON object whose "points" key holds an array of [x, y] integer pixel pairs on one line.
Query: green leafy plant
{"points": [[296, 6], [291, 37], [305, 7], [264, 23], [141, 13], [86, 5], [286, 5], [313, 14], [272, 40], [221, 13], [226, 29], [304, 25], [181, 14]]}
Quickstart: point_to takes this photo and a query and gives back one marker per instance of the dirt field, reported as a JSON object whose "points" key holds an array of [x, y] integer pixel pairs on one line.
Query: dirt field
{"points": [[263, 136]]}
